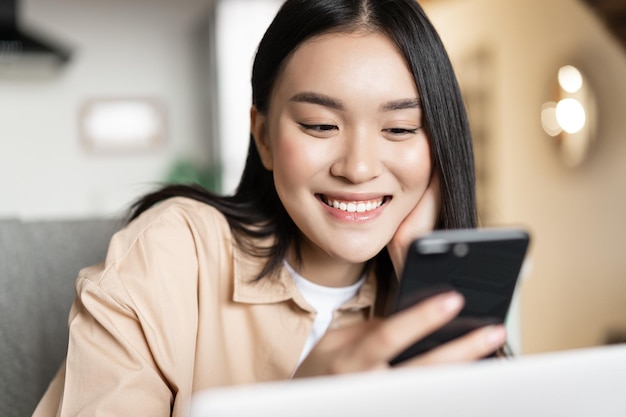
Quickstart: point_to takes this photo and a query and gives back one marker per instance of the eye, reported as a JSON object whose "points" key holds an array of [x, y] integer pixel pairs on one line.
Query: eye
{"points": [[401, 133], [319, 129]]}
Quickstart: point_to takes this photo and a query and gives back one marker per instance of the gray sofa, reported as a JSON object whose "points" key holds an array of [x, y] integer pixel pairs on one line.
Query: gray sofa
{"points": [[39, 262]]}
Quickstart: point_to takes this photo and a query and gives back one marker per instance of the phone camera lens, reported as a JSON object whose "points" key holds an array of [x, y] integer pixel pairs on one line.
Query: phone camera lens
{"points": [[460, 249], [433, 246]]}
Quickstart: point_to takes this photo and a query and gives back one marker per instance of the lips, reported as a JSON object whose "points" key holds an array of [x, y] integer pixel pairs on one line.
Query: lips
{"points": [[353, 206]]}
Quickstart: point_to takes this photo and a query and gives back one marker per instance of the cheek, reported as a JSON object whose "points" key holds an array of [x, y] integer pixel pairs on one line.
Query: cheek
{"points": [[413, 167], [294, 160], [287, 159], [297, 156]]}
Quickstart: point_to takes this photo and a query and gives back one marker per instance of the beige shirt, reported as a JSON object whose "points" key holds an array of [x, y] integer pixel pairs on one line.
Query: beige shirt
{"points": [[174, 310]]}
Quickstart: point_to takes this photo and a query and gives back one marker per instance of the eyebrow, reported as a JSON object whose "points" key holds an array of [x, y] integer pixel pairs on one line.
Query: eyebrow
{"points": [[407, 103], [326, 101], [320, 99]]}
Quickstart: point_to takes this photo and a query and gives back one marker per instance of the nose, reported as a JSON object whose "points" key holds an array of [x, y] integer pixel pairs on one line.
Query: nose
{"points": [[358, 160]]}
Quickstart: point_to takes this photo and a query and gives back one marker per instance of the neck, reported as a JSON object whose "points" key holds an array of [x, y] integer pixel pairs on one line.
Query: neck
{"points": [[326, 271]]}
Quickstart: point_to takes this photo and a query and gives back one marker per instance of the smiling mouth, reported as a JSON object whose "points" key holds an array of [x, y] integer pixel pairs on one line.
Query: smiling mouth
{"points": [[354, 206]]}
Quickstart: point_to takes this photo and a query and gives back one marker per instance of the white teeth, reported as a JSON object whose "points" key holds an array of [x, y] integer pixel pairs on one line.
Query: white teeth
{"points": [[355, 207]]}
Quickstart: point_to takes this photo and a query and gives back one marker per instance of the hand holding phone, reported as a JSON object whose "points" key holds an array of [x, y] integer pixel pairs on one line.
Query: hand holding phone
{"points": [[481, 264]]}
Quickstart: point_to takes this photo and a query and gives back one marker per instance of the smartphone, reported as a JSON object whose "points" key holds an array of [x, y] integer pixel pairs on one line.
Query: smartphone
{"points": [[481, 264]]}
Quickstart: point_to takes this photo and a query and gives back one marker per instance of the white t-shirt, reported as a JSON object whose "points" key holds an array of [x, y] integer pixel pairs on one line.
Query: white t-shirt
{"points": [[324, 300]]}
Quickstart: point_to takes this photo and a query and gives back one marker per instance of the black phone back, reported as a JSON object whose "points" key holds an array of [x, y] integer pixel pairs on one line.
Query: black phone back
{"points": [[481, 264]]}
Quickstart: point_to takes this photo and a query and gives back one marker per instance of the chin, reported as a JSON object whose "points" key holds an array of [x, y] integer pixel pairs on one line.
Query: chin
{"points": [[357, 256]]}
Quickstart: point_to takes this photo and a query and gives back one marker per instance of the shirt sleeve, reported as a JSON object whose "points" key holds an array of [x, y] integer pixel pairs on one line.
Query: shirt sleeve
{"points": [[133, 326], [110, 369]]}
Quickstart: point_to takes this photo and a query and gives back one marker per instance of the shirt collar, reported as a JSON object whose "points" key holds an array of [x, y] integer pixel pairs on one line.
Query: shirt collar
{"points": [[282, 286]]}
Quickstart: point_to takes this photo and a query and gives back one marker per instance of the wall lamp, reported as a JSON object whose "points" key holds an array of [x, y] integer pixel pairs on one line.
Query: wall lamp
{"points": [[571, 115]]}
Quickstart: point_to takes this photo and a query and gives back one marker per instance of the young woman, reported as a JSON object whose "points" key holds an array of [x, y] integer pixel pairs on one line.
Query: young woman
{"points": [[359, 143]]}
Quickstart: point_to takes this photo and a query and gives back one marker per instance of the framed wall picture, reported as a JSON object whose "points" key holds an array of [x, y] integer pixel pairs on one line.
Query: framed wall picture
{"points": [[122, 125]]}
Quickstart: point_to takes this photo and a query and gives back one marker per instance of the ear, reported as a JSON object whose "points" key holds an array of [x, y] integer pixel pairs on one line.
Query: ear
{"points": [[258, 129]]}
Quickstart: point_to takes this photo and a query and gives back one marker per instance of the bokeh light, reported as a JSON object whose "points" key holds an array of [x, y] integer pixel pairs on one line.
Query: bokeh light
{"points": [[570, 115]]}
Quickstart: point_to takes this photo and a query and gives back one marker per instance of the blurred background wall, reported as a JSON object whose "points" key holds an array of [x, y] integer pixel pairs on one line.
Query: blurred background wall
{"points": [[135, 48], [188, 55], [574, 291]]}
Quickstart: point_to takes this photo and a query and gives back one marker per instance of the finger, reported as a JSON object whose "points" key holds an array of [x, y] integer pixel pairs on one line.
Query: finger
{"points": [[420, 221], [398, 332], [472, 346], [424, 218]]}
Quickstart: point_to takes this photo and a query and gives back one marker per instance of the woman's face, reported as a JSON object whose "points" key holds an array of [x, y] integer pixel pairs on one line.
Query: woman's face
{"points": [[343, 136]]}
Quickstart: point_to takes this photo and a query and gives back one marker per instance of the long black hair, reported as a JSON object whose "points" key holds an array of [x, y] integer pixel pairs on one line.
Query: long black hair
{"points": [[255, 211]]}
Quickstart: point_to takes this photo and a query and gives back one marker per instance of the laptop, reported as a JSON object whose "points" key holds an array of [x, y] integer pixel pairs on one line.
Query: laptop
{"points": [[574, 383]]}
